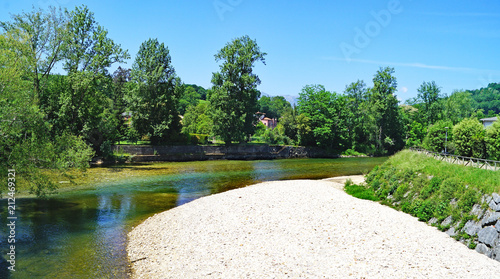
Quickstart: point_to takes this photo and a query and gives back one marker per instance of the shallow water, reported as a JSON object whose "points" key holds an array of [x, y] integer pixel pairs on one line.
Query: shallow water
{"points": [[82, 233]]}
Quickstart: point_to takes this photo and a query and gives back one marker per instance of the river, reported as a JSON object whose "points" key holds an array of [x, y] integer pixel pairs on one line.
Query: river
{"points": [[82, 233]]}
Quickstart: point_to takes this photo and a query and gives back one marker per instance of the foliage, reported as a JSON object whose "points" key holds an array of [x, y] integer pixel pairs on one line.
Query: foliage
{"points": [[360, 191], [469, 138], [234, 95], [196, 120], [387, 132], [428, 95], [492, 138], [487, 99], [154, 93], [273, 107], [459, 105], [438, 135], [326, 114], [427, 188], [188, 98]]}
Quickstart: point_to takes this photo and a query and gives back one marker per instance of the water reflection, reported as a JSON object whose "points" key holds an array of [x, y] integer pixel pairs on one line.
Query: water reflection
{"points": [[83, 234]]}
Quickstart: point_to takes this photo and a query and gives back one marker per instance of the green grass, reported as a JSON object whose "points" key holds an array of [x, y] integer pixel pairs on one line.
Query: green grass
{"points": [[360, 191], [426, 187]]}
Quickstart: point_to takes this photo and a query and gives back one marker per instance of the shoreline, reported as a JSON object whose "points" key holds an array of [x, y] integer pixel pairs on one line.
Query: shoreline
{"points": [[296, 228]]}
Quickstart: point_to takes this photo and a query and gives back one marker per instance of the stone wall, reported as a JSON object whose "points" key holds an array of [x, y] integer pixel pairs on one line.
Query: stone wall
{"points": [[147, 153]]}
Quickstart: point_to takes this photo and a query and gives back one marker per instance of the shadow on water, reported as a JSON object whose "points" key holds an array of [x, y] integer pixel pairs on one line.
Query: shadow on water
{"points": [[83, 233]]}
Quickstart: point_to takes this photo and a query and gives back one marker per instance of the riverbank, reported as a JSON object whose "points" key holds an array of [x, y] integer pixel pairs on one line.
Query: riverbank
{"points": [[292, 229], [182, 153]]}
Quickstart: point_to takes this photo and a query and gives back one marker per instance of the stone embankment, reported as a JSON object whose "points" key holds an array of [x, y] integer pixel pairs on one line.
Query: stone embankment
{"points": [[483, 230], [147, 153]]}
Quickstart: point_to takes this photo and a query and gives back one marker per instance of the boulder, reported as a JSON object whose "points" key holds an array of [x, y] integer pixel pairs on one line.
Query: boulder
{"points": [[483, 249], [496, 253], [497, 226], [487, 236], [486, 199], [490, 218], [494, 206], [447, 221], [477, 210], [471, 228], [496, 197], [451, 232], [433, 220]]}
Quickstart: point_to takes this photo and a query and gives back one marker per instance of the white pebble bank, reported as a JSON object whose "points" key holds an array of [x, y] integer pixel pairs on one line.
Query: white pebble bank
{"points": [[296, 229]]}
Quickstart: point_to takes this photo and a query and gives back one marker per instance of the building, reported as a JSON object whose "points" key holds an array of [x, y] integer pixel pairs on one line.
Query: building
{"points": [[268, 122], [488, 121]]}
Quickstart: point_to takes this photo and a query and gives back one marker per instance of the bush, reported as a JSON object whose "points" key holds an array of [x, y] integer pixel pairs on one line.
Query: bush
{"points": [[360, 192], [468, 136]]}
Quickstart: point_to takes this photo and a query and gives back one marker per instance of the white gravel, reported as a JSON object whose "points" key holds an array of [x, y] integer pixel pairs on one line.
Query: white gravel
{"points": [[296, 229]]}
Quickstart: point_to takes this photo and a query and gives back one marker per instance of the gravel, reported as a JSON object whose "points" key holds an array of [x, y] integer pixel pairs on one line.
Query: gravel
{"points": [[296, 229]]}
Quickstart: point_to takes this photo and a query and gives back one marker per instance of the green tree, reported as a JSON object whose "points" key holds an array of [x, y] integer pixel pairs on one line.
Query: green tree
{"points": [[437, 136], [189, 98], [385, 112], [44, 34], [81, 103], [274, 106], [154, 93], [492, 139], [234, 95], [196, 120], [468, 137], [26, 140], [459, 105], [358, 120], [428, 95], [327, 115]]}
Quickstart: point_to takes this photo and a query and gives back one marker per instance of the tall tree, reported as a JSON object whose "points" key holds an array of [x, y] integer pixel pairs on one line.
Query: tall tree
{"points": [[358, 114], [84, 98], [384, 105], [234, 95], [428, 95], [154, 93], [327, 114], [45, 33]]}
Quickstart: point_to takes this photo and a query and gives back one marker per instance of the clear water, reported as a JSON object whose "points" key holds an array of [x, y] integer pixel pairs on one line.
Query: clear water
{"points": [[83, 233]]}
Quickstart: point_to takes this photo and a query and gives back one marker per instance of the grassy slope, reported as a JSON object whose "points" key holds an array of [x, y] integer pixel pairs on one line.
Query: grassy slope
{"points": [[428, 188]]}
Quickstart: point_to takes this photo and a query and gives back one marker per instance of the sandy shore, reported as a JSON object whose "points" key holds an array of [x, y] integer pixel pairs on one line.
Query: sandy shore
{"points": [[296, 229]]}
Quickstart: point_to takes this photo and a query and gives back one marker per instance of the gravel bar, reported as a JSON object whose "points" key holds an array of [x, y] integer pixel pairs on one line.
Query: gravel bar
{"points": [[296, 229]]}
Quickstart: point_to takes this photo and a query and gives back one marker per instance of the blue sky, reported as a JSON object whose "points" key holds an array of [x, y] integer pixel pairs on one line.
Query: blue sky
{"points": [[333, 43]]}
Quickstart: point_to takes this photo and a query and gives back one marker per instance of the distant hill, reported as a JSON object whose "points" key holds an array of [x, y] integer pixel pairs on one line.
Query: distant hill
{"points": [[487, 98]]}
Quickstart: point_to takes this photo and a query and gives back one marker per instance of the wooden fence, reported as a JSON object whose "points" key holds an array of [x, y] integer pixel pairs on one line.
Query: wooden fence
{"points": [[461, 160]]}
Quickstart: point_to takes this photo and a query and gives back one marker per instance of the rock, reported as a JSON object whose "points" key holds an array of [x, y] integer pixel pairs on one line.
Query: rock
{"points": [[451, 232], [483, 249], [496, 253], [486, 199], [497, 226], [471, 228], [496, 197], [447, 221], [487, 236], [490, 218], [477, 210], [494, 206], [433, 220]]}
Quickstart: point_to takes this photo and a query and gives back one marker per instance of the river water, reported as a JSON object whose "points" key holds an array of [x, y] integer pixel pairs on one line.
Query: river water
{"points": [[83, 233]]}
